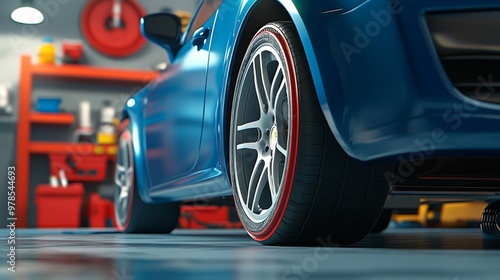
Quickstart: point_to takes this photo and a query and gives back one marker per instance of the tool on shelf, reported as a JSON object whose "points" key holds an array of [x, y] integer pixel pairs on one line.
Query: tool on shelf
{"points": [[53, 181], [85, 129], [48, 104], [62, 177], [47, 51], [72, 51], [4, 100], [107, 129]]}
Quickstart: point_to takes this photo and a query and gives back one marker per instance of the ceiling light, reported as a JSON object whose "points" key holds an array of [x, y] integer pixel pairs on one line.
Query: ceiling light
{"points": [[27, 14]]}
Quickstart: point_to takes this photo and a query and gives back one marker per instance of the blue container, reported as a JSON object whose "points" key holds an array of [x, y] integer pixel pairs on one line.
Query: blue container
{"points": [[48, 104]]}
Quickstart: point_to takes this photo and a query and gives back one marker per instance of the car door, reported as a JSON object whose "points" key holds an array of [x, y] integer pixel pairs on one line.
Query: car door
{"points": [[174, 105]]}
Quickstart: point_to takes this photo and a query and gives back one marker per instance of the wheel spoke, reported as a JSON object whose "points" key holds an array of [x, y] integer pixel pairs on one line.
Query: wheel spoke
{"points": [[259, 188], [123, 203], [282, 150], [252, 185], [123, 193], [250, 125], [118, 182], [126, 173], [275, 92], [279, 92], [122, 179], [128, 178], [124, 161], [248, 146], [127, 155], [264, 77], [259, 87], [120, 168], [273, 176]]}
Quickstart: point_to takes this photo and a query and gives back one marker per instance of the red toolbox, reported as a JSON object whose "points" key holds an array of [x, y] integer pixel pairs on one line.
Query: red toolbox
{"points": [[59, 207], [79, 168]]}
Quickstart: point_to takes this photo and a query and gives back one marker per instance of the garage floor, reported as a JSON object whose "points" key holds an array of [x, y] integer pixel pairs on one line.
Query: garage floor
{"points": [[231, 254]]}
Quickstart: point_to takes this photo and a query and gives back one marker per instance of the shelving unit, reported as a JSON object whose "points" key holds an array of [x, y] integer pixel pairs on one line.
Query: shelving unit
{"points": [[92, 73], [84, 148], [52, 118], [25, 147]]}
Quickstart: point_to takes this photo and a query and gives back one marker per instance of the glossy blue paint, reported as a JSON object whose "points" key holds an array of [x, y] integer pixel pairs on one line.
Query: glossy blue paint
{"points": [[388, 96], [378, 79]]}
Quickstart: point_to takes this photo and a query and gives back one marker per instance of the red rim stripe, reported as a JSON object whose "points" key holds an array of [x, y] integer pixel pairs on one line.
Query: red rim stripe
{"points": [[273, 225]]}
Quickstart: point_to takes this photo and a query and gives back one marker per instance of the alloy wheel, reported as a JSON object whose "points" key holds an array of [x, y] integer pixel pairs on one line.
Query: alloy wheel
{"points": [[262, 135], [124, 178]]}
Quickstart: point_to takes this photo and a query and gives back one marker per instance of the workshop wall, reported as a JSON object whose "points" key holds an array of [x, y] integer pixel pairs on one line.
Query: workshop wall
{"points": [[61, 23]]}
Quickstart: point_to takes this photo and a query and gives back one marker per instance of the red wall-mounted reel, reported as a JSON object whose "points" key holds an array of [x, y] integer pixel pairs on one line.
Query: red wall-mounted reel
{"points": [[112, 27]]}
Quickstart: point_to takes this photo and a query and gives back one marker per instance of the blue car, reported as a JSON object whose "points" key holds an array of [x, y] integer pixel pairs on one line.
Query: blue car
{"points": [[314, 115]]}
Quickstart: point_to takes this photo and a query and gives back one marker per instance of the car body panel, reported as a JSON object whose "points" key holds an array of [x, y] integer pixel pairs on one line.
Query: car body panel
{"points": [[393, 97], [173, 115], [378, 79]]}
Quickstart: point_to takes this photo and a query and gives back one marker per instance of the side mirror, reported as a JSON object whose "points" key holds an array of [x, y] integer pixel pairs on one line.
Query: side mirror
{"points": [[164, 30]]}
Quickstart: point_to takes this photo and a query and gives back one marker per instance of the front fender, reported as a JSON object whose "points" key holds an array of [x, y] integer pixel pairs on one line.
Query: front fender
{"points": [[303, 15], [134, 112]]}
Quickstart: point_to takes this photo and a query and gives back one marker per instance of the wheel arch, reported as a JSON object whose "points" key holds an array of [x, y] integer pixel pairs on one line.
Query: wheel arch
{"points": [[133, 112], [124, 115], [258, 14]]}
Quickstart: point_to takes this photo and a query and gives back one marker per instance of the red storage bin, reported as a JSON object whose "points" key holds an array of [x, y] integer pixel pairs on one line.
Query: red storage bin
{"points": [[79, 168], [59, 207], [100, 211], [209, 216]]}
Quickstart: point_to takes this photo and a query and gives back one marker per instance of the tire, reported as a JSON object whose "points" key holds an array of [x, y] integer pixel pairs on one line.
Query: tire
{"points": [[490, 220], [383, 221], [292, 182], [131, 213]]}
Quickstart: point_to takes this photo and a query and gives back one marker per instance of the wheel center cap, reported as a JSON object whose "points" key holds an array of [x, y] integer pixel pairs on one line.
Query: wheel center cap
{"points": [[273, 137]]}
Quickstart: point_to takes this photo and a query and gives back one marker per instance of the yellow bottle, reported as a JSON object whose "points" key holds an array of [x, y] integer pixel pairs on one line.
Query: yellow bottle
{"points": [[47, 52]]}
